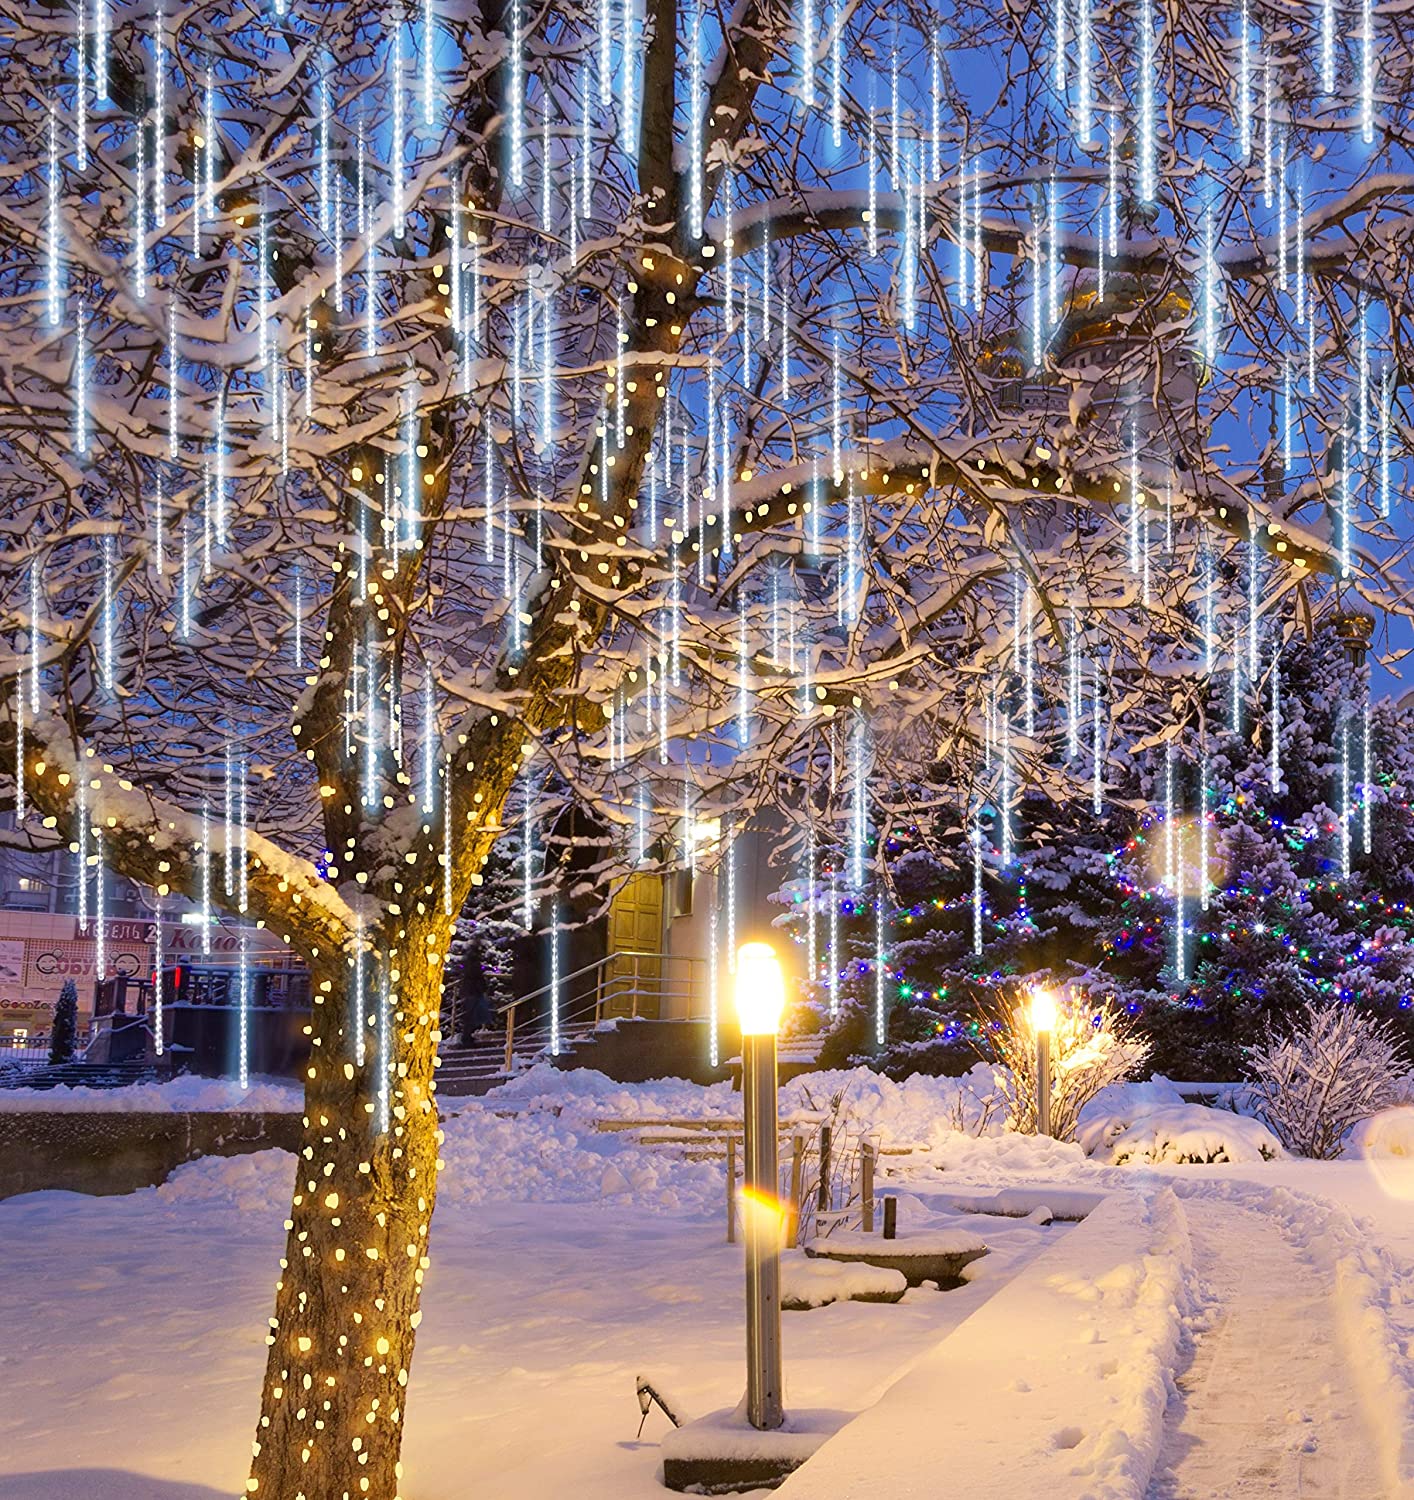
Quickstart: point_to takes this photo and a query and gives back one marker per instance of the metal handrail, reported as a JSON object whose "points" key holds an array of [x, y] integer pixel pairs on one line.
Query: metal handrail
{"points": [[545, 989], [665, 987]]}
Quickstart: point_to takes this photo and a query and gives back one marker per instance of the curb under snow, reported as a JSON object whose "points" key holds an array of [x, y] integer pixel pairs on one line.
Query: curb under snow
{"points": [[1056, 1386]]}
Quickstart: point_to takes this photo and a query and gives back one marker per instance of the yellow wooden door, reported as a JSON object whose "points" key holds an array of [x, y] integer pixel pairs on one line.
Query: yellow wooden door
{"points": [[636, 943]]}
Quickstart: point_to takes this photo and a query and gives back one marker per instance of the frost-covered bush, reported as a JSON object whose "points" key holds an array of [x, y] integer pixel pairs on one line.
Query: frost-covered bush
{"points": [[1091, 1047], [1337, 1065]]}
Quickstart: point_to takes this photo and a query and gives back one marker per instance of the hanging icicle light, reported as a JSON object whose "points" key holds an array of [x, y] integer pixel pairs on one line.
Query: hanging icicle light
{"points": [[1328, 47], [1146, 185]]}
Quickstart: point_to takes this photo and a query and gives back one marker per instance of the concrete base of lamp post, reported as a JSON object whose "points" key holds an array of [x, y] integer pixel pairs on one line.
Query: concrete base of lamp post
{"points": [[723, 1454]]}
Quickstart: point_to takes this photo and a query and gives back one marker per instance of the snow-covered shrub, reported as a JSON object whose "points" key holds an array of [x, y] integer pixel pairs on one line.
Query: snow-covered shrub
{"points": [[1091, 1047], [1335, 1067], [1177, 1133], [1387, 1134]]}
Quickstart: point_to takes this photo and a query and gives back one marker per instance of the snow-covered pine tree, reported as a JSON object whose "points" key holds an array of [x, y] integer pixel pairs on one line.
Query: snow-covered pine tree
{"points": [[1095, 898], [491, 929], [1284, 923]]}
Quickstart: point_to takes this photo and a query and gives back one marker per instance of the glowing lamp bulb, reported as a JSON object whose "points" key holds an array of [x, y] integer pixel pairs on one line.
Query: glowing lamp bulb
{"points": [[1043, 1010], [760, 989]]}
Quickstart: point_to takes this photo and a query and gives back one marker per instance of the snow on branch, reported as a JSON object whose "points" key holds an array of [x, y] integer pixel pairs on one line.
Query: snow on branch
{"points": [[161, 845]]}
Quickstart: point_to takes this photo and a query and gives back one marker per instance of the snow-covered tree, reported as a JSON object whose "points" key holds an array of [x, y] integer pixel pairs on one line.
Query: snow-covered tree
{"points": [[401, 406], [1099, 898], [1309, 869], [63, 1030]]}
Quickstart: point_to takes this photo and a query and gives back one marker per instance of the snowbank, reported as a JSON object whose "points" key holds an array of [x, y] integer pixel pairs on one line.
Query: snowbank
{"points": [[489, 1158], [185, 1095], [534, 1157], [260, 1183], [1131, 1099], [1056, 1386], [584, 1095], [983, 1158], [916, 1112], [1389, 1133], [1178, 1133]]}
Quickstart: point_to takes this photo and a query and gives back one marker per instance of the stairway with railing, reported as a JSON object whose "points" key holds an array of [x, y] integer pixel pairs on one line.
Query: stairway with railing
{"points": [[24, 1064], [556, 1018]]}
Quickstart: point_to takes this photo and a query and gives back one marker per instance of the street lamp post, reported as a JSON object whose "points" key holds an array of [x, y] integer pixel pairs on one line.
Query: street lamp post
{"points": [[760, 998], [1043, 1023]]}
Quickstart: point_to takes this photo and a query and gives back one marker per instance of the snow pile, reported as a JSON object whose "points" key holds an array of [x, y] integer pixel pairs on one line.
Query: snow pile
{"points": [[812, 1282], [186, 1094], [489, 1158], [541, 1158], [1177, 1133], [984, 1159], [1131, 1099], [916, 1111], [1389, 1133], [258, 1183], [1145, 1301], [583, 1095]]}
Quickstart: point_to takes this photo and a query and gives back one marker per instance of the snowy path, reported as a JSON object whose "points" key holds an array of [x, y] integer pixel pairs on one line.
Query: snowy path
{"points": [[1267, 1406]]}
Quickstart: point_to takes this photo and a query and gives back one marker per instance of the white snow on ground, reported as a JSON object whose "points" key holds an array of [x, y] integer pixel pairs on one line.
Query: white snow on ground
{"points": [[1265, 1408], [567, 1261], [181, 1095], [917, 1111], [1056, 1388]]}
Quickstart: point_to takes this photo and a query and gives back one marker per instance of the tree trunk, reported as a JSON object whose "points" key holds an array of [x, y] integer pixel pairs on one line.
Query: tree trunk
{"points": [[346, 1306]]}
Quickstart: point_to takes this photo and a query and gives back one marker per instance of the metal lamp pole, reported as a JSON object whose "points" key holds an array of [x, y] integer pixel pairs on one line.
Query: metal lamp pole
{"points": [[760, 998], [1043, 1021]]}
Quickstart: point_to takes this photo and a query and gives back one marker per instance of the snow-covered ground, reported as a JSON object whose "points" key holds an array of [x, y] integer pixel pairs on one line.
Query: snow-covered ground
{"points": [[567, 1261], [186, 1094]]}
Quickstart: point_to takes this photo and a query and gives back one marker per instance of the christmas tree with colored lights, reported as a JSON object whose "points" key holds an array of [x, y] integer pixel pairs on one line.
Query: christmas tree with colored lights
{"points": [[1220, 884], [1285, 875]]}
